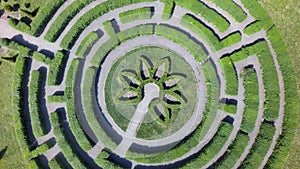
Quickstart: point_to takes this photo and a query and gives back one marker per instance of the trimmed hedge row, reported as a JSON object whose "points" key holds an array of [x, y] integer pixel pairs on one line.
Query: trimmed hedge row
{"points": [[43, 16], [232, 8], [89, 103], [208, 35], [251, 100], [291, 107], [260, 147], [86, 44], [212, 148], [257, 11], [169, 6], [103, 161], [73, 34], [179, 37], [233, 152], [262, 51], [78, 132], [114, 41], [61, 132], [207, 13], [108, 27], [57, 67], [230, 76], [135, 14], [64, 18], [38, 117]]}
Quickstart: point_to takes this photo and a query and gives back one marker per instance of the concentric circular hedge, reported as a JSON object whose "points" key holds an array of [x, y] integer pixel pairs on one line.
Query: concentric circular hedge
{"points": [[219, 68]]}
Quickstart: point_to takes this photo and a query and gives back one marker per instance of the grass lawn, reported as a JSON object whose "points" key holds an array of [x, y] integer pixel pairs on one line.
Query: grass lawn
{"points": [[285, 15], [13, 156]]}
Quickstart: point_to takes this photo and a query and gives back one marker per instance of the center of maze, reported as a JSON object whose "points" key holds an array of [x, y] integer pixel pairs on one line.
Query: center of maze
{"points": [[158, 84]]}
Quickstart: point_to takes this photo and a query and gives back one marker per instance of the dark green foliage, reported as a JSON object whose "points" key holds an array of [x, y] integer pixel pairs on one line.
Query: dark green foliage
{"points": [[251, 100], [19, 25], [136, 14], [64, 18], [209, 14], [230, 76], [260, 147], [73, 34], [232, 8], [39, 118], [102, 161], [43, 16]]}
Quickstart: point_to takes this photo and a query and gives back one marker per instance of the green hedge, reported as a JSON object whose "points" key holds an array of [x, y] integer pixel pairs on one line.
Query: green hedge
{"points": [[233, 152], [19, 25], [56, 68], [207, 13], [108, 27], [208, 35], [73, 34], [89, 108], [251, 100], [232, 8], [291, 107], [210, 150], [64, 18], [230, 76], [141, 30], [102, 161], [260, 147], [60, 131], [102, 52], [81, 137], [38, 117], [86, 44], [43, 16], [263, 21], [262, 51], [55, 99], [181, 38], [136, 14], [169, 6]]}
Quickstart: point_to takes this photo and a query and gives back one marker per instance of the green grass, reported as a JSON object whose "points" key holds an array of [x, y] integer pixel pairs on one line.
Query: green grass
{"points": [[13, 157], [136, 14]]}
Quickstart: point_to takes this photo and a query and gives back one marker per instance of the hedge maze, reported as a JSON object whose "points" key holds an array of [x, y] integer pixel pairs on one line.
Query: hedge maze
{"points": [[87, 100]]}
